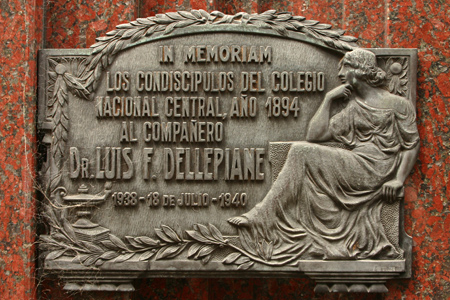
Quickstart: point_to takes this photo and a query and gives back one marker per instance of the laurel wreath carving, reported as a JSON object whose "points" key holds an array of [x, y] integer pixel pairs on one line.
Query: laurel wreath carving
{"points": [[63, 78], [168, 244], [64, 241], [108, 46], [203, 241]]}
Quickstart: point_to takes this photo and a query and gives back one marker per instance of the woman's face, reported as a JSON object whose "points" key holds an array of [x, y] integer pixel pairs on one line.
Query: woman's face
{"points": [[347, 74]]}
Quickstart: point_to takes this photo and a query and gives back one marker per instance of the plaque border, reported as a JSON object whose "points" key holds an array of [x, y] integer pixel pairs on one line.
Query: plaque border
{"points": [[83, 275]]}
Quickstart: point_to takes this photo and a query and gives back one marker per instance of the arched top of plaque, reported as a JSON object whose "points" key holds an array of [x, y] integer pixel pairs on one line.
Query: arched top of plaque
{"points": [[173, 24], [229, 145]]}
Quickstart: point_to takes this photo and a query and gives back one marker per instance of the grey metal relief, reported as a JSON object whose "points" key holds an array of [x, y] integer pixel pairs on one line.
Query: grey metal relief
{"points": [[200, 144], [326, 202]]}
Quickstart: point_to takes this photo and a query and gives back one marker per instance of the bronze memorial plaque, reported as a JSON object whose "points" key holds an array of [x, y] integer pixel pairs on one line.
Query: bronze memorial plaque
{"points": [[205, 144]]}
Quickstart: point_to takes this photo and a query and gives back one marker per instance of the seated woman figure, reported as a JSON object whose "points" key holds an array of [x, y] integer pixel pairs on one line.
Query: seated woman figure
{"points": [[326, 202]]}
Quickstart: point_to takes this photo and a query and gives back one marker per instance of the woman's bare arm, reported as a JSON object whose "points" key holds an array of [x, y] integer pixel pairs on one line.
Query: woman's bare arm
{"points": [[391, 188], [318, 126], [318, 130]]}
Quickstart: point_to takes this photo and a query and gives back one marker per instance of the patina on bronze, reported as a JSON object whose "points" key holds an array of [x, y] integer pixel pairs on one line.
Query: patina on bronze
{"points": [[204, 144]]}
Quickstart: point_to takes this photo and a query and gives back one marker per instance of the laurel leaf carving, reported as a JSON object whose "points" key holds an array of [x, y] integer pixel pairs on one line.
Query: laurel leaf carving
{"points": [[282, 22], [231, 258]]}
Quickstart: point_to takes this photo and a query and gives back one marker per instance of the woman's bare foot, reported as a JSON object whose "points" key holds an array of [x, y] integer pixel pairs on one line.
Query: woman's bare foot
{"points": [[239, 221]]}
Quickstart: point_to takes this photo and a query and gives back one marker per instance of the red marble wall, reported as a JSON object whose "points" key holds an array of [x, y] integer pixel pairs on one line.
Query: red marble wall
{"points": [[28, 25], [21, 35]]}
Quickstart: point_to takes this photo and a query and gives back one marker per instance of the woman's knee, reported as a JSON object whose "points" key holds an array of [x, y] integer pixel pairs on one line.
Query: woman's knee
{"points": [[302, 148]]}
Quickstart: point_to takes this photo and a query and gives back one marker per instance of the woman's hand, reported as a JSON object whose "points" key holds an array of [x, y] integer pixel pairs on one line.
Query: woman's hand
{"points": [[318, 126], [342, 91], [390, 190]]}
